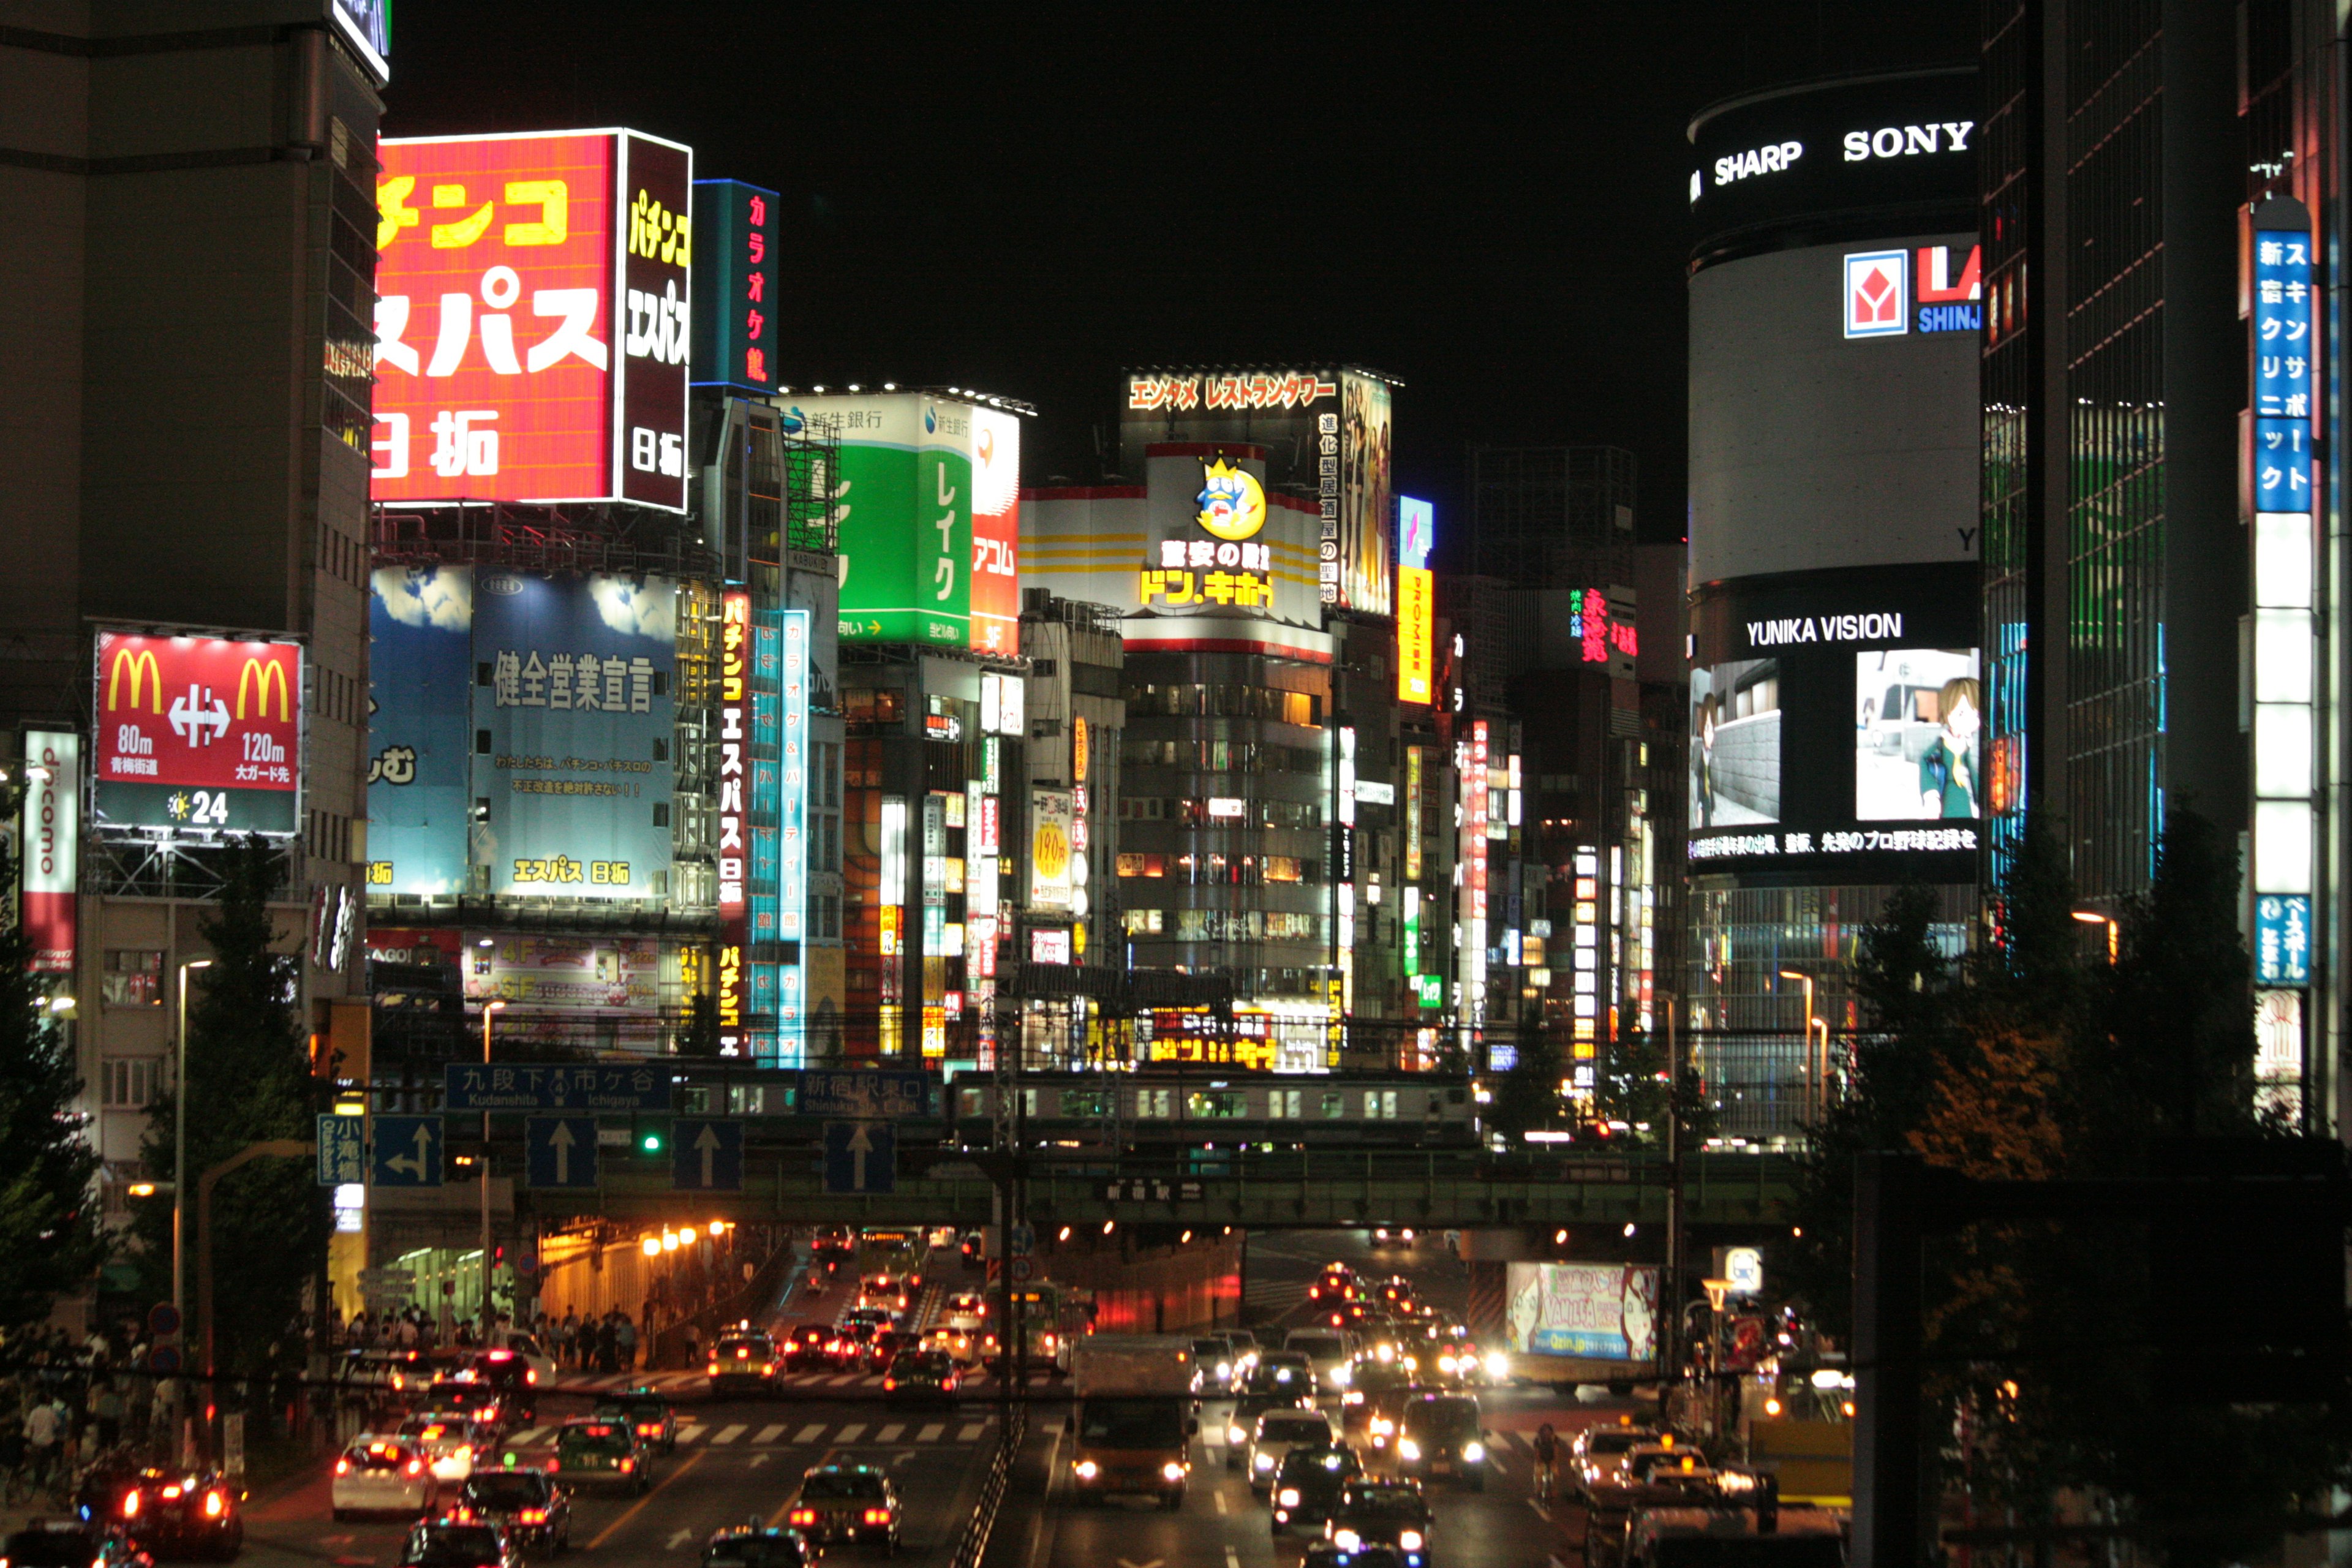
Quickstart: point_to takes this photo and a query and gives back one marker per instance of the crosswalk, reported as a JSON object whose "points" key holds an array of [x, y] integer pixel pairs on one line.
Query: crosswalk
{"points": [[680, 1381], [945, 1431]]}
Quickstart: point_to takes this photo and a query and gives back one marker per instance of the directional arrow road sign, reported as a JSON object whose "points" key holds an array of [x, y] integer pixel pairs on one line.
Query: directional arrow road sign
{"points": [[560, 1150], [860, 1157], [706, 1156], [407, 1152]]}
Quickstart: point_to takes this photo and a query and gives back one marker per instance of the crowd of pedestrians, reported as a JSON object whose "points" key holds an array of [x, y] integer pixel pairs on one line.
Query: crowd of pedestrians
{"points": [[63, 1404]]}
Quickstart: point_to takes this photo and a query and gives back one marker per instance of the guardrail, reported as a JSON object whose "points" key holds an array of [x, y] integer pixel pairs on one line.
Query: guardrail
{"points": [[977, 1531]]}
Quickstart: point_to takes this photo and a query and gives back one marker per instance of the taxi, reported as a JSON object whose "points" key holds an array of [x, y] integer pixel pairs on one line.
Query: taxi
{"points": [[607, 1454], [648, 1412], [382, 1474], [1338, 1283], [845, 1502], [449, 1442], [756, 1546], [741, 1357]]}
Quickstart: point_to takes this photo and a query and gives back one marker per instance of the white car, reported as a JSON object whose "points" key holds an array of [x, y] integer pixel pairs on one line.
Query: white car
{"points": [[967, 1312], [1328, 1352], [1277, 1433], [449, 1442], [533, 1353], [381, 1474]]}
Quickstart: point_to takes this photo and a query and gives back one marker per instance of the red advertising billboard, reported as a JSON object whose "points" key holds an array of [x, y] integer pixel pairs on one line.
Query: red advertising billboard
{"points": [[197, 735], [532, 318]]}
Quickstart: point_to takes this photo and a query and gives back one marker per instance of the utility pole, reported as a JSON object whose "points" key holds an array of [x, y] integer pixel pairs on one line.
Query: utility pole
{"points": [[1670, 1344]]}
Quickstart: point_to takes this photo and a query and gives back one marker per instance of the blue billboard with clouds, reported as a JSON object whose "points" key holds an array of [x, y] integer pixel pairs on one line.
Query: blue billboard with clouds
{"points": [[420, 673], [574, 695]]}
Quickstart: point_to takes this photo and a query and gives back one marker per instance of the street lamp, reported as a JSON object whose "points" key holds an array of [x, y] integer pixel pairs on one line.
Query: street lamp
{"points": [[488, 1009], [180, 1153], [2093, 918]]}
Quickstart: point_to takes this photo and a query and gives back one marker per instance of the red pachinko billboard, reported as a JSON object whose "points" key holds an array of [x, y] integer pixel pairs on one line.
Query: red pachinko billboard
{"points": [[531, 320], [197, 735]]}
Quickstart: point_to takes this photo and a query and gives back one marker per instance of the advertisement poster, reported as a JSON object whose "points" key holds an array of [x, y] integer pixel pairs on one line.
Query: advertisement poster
{"points": [[197, 735], [1916, 715], [1366, 495], [905, 497], [1604, 1311], [51, 847], [580, 714], [996, 531], [1051, 812], [611, 974], [420, 677]]}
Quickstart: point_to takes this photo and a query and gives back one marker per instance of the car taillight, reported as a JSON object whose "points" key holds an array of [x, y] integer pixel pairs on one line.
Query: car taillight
{"points": [[554, 1464], [533, 1516], [948, 1382], [531, 1374], [170, 1492], [415, 1467], [343, 1467], [888, 1384], [215, 1505], [741, 1354], [767, 1367], [803, 1516], [131, 1505], [877, 1516]]}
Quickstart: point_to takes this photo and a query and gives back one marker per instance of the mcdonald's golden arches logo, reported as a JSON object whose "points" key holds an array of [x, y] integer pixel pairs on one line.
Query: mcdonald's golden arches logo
{"points": [[144, 677], [258, 676]]}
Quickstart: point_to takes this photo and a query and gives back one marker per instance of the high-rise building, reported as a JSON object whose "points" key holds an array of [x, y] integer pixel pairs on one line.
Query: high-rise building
{"points": [[1836, 688], [183, 497], [2159, 221]]}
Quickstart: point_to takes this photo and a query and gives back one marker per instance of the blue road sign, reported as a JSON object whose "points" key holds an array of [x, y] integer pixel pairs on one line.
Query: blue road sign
{"points": [[471, 1086], [706, 1156], [407, 1152], [865, 1096], [558, 1151], [342, 1150], [860, 1157]]}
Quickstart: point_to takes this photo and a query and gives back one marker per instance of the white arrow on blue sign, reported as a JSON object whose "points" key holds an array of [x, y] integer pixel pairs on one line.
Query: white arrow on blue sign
{"points": [[560, 1150], [407, 1152], [860, 1157], [706, 1156]]}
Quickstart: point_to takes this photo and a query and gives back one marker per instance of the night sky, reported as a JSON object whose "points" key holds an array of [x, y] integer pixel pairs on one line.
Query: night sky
{"points": [[1026, 199]]}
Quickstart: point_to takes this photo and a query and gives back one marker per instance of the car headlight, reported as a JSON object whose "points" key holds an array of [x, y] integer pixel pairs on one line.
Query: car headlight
{"points": [[1410, 1540], [1224, 1369], [1263, 1461], [1171, 1471], [1340, 1376], [1288, 1496], [1473, 1452], [1088, 1469], [1235, 1437], [1408, 1449], [1499, 1365], [1346, 1540]]}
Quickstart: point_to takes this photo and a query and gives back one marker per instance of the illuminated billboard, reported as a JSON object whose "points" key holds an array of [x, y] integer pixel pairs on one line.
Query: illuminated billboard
{"points": [[51, 849], [574, 703], [1416, 531], [1603, 1311], [793, 870], [929, 493], [1416, 632], [532, 319], [1366, 496], [197, 735], [420, 736], [734, 809], [734, 285]]}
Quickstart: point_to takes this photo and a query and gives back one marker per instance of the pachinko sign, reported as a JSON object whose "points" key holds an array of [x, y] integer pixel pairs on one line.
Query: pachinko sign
{"points": [[532, 319]]}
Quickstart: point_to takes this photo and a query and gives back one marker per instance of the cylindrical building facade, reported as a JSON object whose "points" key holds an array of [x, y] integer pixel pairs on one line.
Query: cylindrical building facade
{"points": [[1836, 665]]}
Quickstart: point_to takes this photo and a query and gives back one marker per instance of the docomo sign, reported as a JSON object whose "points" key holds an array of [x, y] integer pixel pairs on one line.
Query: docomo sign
{"points": [[532, 319], [734, 707], [52, 845], [197, 734]]}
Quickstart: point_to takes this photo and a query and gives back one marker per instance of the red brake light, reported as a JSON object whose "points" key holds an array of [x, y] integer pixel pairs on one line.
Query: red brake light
{"points": [[531, 1374], [552, 1465], [628, 1465], [533, 1516], [803, 1516], [415, 1467], [215, 1505], [131, 1504], [888, 1384], [343, 1467], [877, 1516]]}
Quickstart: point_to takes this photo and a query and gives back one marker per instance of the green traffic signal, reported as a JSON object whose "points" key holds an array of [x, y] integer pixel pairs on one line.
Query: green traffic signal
{"points": [[650, 1141]]}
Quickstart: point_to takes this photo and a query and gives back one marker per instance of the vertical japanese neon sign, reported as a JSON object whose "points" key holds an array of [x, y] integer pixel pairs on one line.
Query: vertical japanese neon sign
{"points": [[791, 877], [734, 746]]}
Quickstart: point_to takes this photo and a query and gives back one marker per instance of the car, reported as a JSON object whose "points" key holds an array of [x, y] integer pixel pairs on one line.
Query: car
{"points": [[526, 1347], [966, 1310], [1277, 1433], [807, 1346], [971, 1248], [832, 1243], [852, 1342], [1441, 1435], [1285, 1371], [1307, 1486], [1337, 1283], [167, 1512], [480, 1402], [1376, 1395], [886, 1289], [607, 1454], [1386, 1510], [1328, 1351], [1242, 1420], [1245, 1350], [449, 1442], [889, 1344], [919, 1377], [1397, 1290], [648, 1412], [71, 1543], [845, 1502], [1213, 1366], [1795, 1537], [872, 1318], [741, 1359], [960, 1345], [1325, 1554], [382, 1474], [1598, 1451], [459, 1543], [757, 1545], [527, 1504], [516, 1377], [1384, 1235]]}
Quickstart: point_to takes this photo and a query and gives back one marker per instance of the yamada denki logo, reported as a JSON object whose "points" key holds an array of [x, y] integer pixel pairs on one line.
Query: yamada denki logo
{"points": [[1925, 289]]}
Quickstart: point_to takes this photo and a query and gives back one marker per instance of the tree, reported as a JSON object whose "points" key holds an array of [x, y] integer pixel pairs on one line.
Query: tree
{"points": [[50, 1240], [248, 1079]]}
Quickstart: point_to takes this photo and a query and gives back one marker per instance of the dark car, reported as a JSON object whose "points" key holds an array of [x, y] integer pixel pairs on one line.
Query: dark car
{"points": [[514, 1378], [755, 1545], [1381, 1511], [601, 1454], [459, 1543], [484, 1403], [527, 1504], [63, 1543], [850, 1343], [168, 1512], [741, 1360], [888, 1345], [832, 1243], [1308, 1487], [647, 1414], [845, 1502], [921, 1377], [808, 1346], [1325, 1554], [1440, 1435], [1376, 1389]]}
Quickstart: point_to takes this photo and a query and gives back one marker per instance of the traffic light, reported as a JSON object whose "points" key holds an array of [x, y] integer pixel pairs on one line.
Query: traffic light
{"points": [[652, 1137]]}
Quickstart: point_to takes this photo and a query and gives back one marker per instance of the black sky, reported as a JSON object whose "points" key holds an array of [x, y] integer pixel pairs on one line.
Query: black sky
{"points": [[1026, 198]]}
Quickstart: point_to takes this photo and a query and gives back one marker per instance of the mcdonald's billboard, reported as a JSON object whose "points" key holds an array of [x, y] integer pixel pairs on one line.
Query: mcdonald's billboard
{"points": [[197, 735]]}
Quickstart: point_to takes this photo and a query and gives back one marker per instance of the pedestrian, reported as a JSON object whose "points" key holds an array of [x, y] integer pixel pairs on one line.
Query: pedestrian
{"points": [[1547, 1446], [43, 1440], [606, 1344], [625, 1343]]}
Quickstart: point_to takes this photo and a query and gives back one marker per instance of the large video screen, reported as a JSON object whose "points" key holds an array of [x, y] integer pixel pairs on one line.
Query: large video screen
{"points": [[1835, 724]]}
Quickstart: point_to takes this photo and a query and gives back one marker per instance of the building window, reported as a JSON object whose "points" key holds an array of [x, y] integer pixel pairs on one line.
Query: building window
{"points": [[1380, 1104], [1335, 1104], [1284, 1104], [1155, 1103], [129, 1083], [133, 977], [1216, 1104]]}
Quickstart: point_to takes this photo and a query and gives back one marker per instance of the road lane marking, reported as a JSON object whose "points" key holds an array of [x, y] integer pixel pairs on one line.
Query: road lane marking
{"points": [[767, 1434], [690, 1431], [728, 1433], [638, 1506], [890, 1434], [676, 1539], [526, 1437], [1155, 1562], [757, 1460], [849, 1433], [1221, 1503], [931, 1431], [1232, 1558], [971, 1432], [810, 1433]]}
